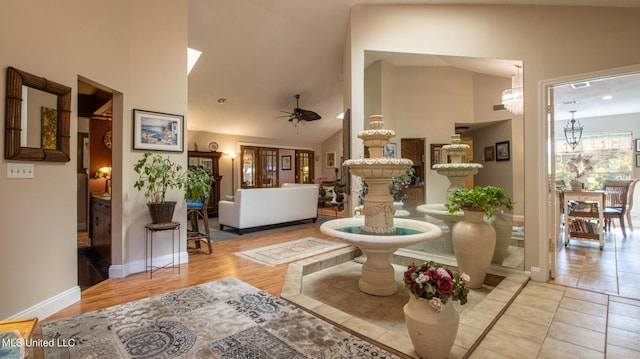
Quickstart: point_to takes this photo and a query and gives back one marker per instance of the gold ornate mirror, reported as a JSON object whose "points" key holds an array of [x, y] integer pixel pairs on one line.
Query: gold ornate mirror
{"points": [[37, 118]]}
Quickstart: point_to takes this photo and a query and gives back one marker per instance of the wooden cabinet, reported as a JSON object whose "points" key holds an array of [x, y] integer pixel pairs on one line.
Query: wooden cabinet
{"points": [[584, 220], [101, 227], [210, 162], [413, 149]]}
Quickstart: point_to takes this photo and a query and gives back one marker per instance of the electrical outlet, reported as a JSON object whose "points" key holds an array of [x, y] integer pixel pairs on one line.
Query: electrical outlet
{"points": [[20, 170]]}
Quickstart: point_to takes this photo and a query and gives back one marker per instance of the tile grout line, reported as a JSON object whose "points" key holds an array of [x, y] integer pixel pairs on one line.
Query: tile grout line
{"points": [[555, 312], [499, 315]]}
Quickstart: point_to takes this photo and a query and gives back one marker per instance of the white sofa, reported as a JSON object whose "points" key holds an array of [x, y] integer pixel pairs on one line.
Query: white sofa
{"points": [[268, 206]]}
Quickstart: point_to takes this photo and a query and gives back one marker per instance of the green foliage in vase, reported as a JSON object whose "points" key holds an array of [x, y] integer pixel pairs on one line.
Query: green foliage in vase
{"points": [[157, 175], [197, 184], [487, 199]]}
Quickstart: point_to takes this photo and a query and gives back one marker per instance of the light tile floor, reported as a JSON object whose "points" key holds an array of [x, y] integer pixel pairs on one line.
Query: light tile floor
{"points": [[590, 310], [614, 270]]}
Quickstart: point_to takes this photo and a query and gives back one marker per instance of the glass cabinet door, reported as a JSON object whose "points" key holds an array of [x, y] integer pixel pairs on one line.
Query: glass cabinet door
{"points": [[248, 167], [304, 166], [269, 167]]}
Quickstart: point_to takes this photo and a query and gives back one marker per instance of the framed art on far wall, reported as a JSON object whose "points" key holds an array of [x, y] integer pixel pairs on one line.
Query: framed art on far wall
{"points": [[389, 151], [489, 153], [502, 151], [438, 155], [637, 144], [330, 160], [638, 160], [286, 163], [157, 131]]}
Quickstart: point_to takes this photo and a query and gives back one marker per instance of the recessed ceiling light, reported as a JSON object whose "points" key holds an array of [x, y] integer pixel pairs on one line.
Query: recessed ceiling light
{"points": [[580, 85], [607, 97], [222, 100]]}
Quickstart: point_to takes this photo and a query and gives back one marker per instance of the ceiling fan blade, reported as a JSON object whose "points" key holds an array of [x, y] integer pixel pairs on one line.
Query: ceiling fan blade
{"points": [[308, 115]]}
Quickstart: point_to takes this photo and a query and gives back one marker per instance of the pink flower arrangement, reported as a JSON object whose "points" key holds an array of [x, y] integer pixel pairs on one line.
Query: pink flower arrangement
{"points": [[319, 180], [435, 283]]}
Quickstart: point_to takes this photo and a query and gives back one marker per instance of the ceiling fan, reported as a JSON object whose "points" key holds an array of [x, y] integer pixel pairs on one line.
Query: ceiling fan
{"points": [[298, 115]]}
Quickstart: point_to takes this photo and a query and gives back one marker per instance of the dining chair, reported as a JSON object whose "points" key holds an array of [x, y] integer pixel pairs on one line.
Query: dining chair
{"points": [[616, 198]]}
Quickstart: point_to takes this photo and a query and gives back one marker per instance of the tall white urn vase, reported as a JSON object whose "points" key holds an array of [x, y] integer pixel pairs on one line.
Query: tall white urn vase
{"points": [[474, 242], [503, 226], [431, 333]]}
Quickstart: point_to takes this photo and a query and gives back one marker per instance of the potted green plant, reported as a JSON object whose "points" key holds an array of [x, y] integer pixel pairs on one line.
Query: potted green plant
{"points": [[338, 187], [474, 239], [486, 199], [399, 184], [197, 185], [157, 175]]}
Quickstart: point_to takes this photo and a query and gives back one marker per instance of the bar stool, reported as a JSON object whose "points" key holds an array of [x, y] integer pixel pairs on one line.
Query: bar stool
{"points": [[197, 211]]}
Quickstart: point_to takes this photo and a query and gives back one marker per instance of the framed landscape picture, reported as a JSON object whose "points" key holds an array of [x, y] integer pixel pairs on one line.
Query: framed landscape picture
{"points": [[157, 131], [502, 151]]}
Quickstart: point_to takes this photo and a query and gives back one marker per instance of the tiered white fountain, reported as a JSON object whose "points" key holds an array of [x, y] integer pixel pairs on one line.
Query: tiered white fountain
{"points": [[379, 234], [457, 173]]}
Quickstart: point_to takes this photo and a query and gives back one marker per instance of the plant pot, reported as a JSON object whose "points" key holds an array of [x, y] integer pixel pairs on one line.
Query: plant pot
{"points": [[161, 212], [431, 333], [474, 242], [576, 185], [503, 226]]}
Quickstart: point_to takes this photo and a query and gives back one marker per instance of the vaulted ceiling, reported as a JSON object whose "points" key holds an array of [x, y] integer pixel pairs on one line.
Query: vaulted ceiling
{"points": [[257, 54]]}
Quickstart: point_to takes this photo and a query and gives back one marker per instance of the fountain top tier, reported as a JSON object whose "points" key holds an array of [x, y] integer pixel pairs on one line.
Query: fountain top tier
{"points": [[456, 170], [377, 166]]}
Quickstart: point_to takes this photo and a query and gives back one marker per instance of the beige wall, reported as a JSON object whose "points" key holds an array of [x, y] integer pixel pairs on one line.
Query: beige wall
{"points": [[114, 43], [552, 42]]}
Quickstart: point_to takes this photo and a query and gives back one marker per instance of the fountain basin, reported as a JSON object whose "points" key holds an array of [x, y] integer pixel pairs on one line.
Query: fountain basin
{"points": [[377, 277], [439, 211]]}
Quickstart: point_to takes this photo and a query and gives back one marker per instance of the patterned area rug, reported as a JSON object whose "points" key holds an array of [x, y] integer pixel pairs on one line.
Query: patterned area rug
{"points": [[222, 319], [290, 251]]}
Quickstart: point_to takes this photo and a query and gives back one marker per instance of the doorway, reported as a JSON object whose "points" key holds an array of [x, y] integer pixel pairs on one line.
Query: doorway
{"points": [[94, 183], [603, 103]]}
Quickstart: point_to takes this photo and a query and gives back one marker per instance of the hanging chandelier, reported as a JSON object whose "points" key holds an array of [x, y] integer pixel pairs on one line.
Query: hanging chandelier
{"points": [[513, 98], [573, 131]]}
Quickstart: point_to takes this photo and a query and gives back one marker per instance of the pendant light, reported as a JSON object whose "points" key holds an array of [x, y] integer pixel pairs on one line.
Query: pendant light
{"points": [[573, 131]]}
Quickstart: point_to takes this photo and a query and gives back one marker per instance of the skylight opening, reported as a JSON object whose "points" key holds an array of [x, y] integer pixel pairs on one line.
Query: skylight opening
{"points": [[192, 58]]}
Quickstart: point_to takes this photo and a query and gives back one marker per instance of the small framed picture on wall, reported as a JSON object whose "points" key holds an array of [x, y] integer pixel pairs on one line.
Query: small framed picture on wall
{"points": [[330, 159], [502, 151], [489, 153], [637, 144]]}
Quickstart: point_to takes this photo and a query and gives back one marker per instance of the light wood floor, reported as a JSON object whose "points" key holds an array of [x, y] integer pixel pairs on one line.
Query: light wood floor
{"points": [[201, 268]]}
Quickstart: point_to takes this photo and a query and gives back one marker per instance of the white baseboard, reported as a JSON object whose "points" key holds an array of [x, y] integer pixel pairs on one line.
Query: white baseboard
{"points": [[50, 306], [137, 266]]}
